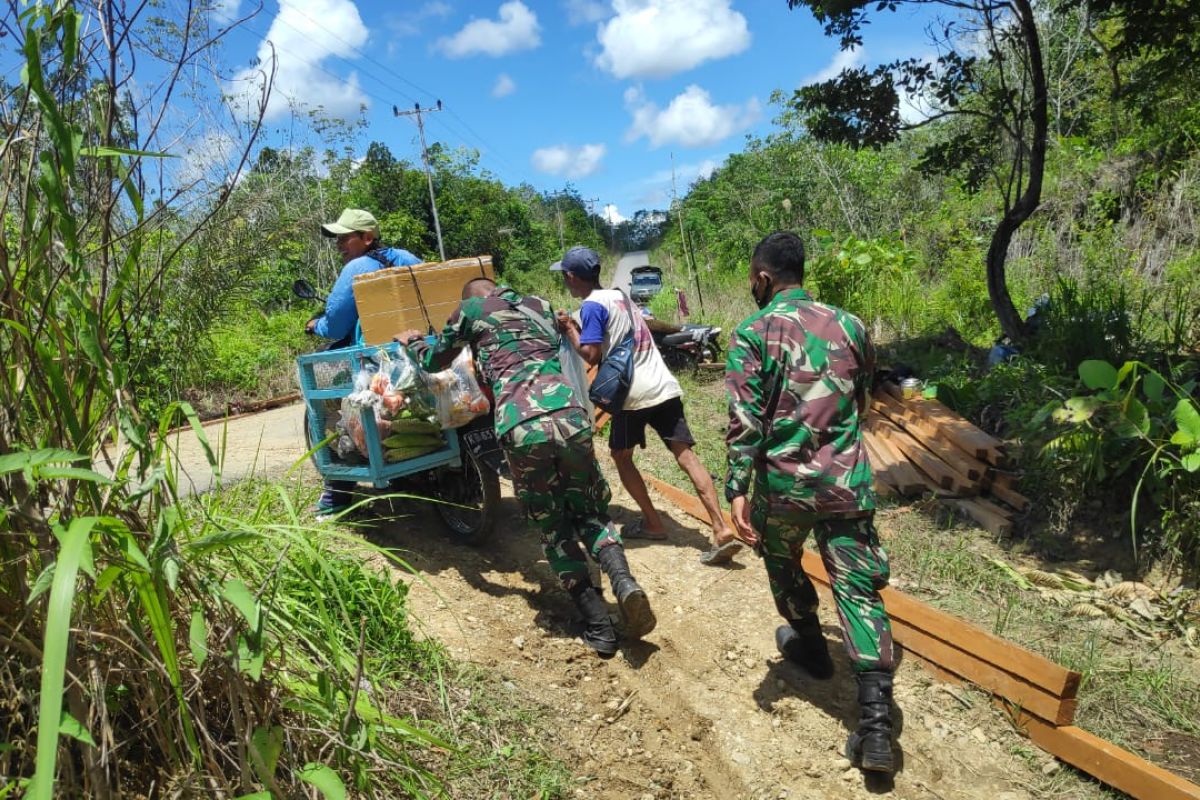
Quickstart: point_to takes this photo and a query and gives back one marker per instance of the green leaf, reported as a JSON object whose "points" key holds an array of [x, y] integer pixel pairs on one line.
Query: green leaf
{"points": [[170, 568], [1188, 419], [1098, 374], [236, 593], [198, 637], [255, 796], [22, 459], [1078, 409], [1153, 386], [42, 583], [266, 745], [76, 542], [1191, 462], [69, 726], [221, 540], [73, 473], [325, 779], [101, 151], [251, 656], [1134, 421]]}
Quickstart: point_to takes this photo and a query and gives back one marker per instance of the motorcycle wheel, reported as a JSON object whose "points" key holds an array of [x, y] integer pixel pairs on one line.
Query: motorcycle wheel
{"points": [[474, 491]]}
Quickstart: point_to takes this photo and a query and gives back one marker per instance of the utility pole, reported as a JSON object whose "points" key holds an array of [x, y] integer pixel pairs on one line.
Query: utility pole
{"points": [[417, 112], [677, 209], [591, 203]]}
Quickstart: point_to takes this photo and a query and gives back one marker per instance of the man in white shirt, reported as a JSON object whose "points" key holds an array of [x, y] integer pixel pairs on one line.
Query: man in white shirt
{"points": [[654, 398]]}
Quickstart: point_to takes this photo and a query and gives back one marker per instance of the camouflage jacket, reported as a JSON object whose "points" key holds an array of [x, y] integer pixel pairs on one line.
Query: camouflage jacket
{"points": [[796, 374], [516, 355]]}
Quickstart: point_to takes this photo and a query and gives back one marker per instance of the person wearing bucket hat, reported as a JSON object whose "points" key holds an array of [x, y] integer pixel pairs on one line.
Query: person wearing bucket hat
{"points": [[356, 233], [654, 399]]}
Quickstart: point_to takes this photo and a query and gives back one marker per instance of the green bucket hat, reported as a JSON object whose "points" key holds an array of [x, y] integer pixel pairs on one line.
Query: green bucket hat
{"points": [[352, 220]]}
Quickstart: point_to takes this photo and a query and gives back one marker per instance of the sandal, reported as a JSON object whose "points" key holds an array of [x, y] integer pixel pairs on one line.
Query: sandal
{"points": [[721, 555], [635, 530]]}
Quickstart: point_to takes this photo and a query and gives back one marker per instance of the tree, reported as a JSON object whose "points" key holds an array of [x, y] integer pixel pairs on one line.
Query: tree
{"points": [[995, 108]]}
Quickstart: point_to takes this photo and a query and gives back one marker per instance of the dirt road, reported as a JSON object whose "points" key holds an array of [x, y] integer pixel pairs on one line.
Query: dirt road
{"points": [[704, 708]]}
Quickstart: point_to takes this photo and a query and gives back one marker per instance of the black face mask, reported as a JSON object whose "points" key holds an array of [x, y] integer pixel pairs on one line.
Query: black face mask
{"points": [[765, 298]]}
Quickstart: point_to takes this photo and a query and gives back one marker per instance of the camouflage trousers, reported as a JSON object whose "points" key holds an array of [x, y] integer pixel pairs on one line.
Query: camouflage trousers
{"points": [[562, 489], [857, 567]]}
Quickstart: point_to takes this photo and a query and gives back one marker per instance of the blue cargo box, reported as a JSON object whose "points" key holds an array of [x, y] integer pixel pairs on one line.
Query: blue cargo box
{"points": [[326, 378]]}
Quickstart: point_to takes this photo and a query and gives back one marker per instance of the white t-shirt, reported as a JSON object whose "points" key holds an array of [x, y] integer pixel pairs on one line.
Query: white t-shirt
{"points": [[604, 320]]}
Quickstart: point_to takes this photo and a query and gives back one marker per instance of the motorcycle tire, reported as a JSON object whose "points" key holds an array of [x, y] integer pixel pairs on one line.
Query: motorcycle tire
{"points": [[470, 496]]}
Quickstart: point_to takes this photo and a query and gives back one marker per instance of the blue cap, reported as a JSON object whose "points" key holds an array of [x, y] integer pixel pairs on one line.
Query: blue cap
{"points": [[582, 261]]}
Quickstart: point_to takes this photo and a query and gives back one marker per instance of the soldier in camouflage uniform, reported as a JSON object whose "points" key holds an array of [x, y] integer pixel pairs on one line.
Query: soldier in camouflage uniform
{"points": [[547, 438], [798, 376]]}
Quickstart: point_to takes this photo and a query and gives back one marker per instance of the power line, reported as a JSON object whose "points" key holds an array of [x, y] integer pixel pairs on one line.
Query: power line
{"points": [[487, 146]]}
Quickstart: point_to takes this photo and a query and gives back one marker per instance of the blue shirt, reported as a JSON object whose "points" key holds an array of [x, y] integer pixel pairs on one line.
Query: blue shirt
{"points": [[341, 314], [593, 322]]}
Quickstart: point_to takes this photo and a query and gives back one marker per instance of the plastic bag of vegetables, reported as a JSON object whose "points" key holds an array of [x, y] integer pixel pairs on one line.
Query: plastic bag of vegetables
{"points": [[456, 394]]}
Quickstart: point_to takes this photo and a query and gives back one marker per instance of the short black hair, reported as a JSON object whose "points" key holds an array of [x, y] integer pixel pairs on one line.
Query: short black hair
{"points": [[781, 254], [469, 286]]}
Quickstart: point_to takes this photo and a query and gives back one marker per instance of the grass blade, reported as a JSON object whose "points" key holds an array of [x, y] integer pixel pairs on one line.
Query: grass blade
{"points": [[73, 544]]}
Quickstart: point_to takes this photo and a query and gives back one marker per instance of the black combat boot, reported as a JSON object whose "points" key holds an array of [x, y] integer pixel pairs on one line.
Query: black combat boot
{"points": [[598, 631], [803, 644], [870, 747], [636, 616]]}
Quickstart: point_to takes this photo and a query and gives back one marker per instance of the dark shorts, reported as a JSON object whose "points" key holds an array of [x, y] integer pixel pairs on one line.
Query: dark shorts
{"points": [[629, 427]]}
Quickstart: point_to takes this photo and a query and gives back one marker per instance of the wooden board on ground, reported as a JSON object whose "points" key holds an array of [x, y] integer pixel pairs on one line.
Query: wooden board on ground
{"points": [[1022, 665], [985, 515], [958, 650], [1105, 761], [419, 297], [931, 436]]}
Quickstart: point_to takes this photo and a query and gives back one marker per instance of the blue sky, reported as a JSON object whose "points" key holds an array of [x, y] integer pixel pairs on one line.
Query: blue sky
{"points": [[598, 93]]}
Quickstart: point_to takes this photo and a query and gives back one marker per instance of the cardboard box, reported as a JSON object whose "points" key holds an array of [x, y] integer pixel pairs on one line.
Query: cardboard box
{"points": [[417, 297]]}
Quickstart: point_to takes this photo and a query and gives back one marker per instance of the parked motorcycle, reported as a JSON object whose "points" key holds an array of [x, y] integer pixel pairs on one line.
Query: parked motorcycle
{"points": [[687, 345]]}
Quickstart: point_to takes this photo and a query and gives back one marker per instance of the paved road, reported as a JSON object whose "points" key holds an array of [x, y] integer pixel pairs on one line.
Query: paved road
{"points": [[265, 444], [621, 279]]}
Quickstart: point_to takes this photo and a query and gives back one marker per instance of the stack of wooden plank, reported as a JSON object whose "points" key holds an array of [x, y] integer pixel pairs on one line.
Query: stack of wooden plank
{"points": [[919, 446]]}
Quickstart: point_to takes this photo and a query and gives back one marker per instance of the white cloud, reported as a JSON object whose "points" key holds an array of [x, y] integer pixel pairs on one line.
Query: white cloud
{"points": [[516, 29], [567, 161], [504, 86], [658, 38], [690, 120], [410, 24], [208, 159], [305, 33], [658, 186], [843, 59], [226, 11], [612, 216], [585, 12]]}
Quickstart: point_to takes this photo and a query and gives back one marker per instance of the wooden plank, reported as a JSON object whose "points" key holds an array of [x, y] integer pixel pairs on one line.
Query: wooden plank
{"points": [[932, 438], [970, 438], [1015, 499], [911, 482], [940, 473], [894, 471], [999, 511], [1105, 761], [912, 621], [1029, 667], [879, 473], [997, 524]]}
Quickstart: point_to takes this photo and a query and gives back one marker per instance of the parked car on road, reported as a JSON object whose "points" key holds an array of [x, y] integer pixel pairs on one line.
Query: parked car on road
{"points": [[644, 283]]}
